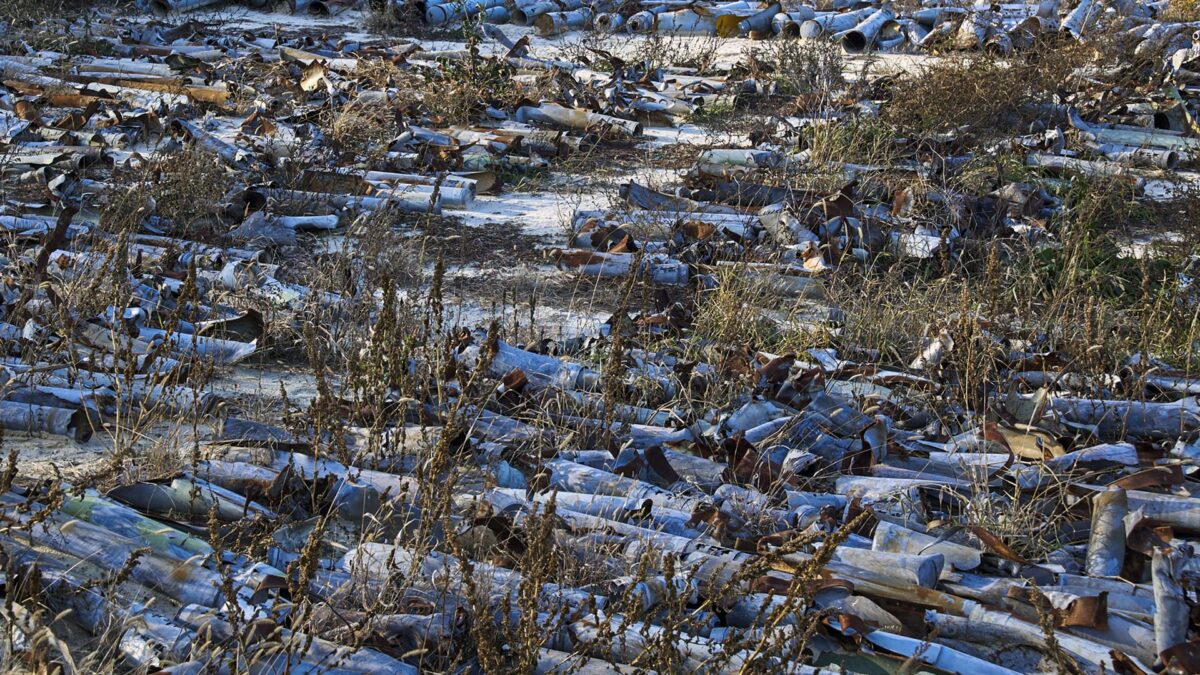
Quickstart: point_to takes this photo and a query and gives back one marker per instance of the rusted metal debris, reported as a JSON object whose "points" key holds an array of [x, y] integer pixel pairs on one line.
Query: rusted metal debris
{"points": [[711, 511], [999, 28]]}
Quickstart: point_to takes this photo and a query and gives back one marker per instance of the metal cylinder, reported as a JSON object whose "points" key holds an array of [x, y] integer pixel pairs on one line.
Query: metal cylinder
{"points": [[31, 418], [860, 38], [609, 22], [787, 24], [829, 24], [1106, 545], [164, 8], [557, 23], [642, 22]]}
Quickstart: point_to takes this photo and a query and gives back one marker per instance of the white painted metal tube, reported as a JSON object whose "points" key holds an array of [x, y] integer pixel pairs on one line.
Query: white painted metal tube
{"points": [[830, 24], [860, 38], [787, 24]]}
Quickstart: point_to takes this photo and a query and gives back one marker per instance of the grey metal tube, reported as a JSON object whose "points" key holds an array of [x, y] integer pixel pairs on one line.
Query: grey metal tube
{"points": [[859, 38], [1106, 546], [415, 203], [1171, 617], [31, 418], [437, 15], [829, 24], [642, 22], [787, 24], [328, 7], [1133, 156], [609, 22], [164, 8], [1079, 18], [557, 23], [761, 21], [525, 13], [498, 14]]}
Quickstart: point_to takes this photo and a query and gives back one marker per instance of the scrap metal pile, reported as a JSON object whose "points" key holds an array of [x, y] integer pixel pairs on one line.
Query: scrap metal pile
{"points": [[599, 503], [998, 28], [857, 26]]}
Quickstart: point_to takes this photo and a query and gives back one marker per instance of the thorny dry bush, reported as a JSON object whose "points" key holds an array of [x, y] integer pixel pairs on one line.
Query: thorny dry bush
{"points": [[985, 99], [1182, 10], [361, 130], [459, 90], [679, 51], [25, 22], [463, 89], [183, 187], [655, 50], [802, 68]]}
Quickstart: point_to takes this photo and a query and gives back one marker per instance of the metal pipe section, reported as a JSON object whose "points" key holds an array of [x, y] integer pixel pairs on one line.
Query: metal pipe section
{"points": [[860, 38], [164, 8], [436, 15], [830, 24]]}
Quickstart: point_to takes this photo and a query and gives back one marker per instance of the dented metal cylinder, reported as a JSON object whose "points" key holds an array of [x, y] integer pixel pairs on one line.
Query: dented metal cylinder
{"points": [[1106, 545], [830, 24], [164, 8], [1079, 18], [526, 13], [1172, 614], [682, 22], [437, 15], [1155, 158], [609, 22], [557, 23], [732, 25], [861, 37], [28, 418], [575, 118]]}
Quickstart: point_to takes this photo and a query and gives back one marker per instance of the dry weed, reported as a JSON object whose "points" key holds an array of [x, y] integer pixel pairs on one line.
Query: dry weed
{"points": [[183, 187], [361, 130]]}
